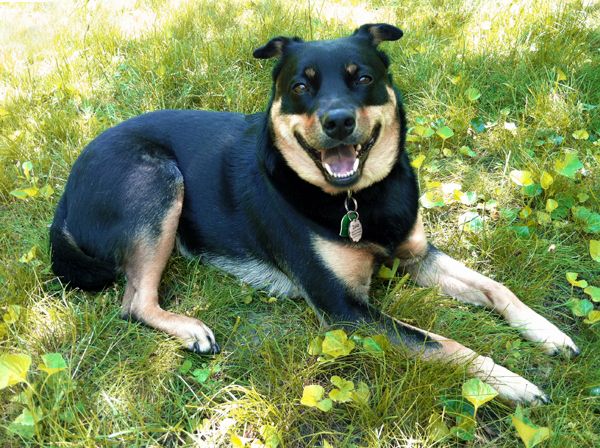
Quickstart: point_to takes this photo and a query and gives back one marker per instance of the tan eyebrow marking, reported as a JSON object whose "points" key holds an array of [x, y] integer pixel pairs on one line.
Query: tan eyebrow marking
{"points": [[310, 73], [351, 69]]}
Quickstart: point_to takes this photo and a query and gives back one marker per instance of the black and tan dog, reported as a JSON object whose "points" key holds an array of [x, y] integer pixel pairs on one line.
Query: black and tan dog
{"points": [[306, 200]]}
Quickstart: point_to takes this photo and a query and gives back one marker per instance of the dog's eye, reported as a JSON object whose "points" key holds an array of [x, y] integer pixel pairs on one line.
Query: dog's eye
{"points": [[365, 79], [299, 88]]}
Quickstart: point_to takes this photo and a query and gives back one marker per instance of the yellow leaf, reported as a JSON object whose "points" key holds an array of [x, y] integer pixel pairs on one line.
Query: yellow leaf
{"points": [[29, 256], [521, 178], [551, 205], [525, 212], [560, 75], [581, 134], [311, 395], [595, 250], [530, 434], [592, 317], [418, 161], [13, 369], [572, 279], [546, 180], [236, 441], [336, 343]]}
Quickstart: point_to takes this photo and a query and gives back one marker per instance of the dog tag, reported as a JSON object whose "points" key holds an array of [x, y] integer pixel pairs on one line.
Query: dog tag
{"points": [[355, 230], [345, 224]]}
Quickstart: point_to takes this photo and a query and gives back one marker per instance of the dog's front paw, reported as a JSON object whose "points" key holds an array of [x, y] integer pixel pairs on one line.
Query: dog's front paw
{"points": [[510, 386], [553, 340], [198, 338]]}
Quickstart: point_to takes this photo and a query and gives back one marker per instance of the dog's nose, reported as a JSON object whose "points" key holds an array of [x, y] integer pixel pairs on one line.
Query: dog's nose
{"points": [[338, 123]]}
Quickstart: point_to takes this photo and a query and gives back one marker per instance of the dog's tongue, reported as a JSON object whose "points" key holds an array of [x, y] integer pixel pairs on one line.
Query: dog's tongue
{"points": [[340, 159]]}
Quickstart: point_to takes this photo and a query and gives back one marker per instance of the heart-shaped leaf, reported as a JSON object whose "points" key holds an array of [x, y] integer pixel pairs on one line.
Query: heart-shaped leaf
{"points": [[593, 292], [572, 279], [580, 307], [343, 392], [418, 161], [589, 219], [467, 151], [581, 134], [13, 369], [530, 434], [445, 132], [595, 250], [568, 165], [551, 205], [472, 94], [23, 425], [361, 394], [546, 180], [478, 125], [336, 343], [478, 392], [52, 363], [592, 317], [431, 199], [521, 177]]}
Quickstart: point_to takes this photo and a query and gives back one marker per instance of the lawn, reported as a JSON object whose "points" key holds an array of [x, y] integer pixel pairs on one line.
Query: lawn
{"points": [[503, 101]]}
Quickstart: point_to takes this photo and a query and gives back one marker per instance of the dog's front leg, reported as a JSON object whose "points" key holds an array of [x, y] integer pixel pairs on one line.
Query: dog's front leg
{"points": [[338, 289], [429, 266]]}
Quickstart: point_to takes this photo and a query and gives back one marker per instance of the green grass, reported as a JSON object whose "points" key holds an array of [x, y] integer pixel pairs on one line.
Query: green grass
{"points": [[67, 72]]}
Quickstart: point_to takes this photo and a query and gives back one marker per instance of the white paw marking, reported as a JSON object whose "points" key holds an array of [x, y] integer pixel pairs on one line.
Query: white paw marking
{"points": [[510, 386], [538, 329], [197, 336]]}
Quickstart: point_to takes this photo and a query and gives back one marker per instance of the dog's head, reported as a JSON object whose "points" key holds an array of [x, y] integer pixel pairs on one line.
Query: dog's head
{"points": [[334, 114]]}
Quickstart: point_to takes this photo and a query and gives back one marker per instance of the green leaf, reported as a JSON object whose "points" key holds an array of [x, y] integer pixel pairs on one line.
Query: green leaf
{"points": [[23, 425], [478, 125], [589, 219], [437, 429], [582, 197], [336, 343], [572, 279], [315, 346], [530, 434], [431, 199], [270, 436], [592, 317], [52, 363], [569, 165], [478, 392], [185, 367], [472, 94], [361, 394], [13, 369], [325, 404], [593, 292], [201, 375], [389, 273], [546, 180], [27, 169], [20, 194], [423, 131], [47, 191], [522, 231], [595, 250], [371, 345], [581, 134], [470, 222], [467, 151], [551, 205], [343, 392], [468, 197], [445, 132], [532, 190], [12, 314], [580, 307], [522, 178]]}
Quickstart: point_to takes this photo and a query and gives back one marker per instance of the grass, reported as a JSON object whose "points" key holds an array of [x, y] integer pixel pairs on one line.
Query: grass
{"points": [[67, 72]]}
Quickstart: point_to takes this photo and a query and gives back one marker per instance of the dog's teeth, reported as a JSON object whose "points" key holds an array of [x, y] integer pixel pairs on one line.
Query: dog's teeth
{"points": [[328, 169], [358, 148], [355, 166]]}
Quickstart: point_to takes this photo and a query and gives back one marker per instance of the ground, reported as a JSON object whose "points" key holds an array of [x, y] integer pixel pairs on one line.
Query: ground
{"points": [[502, 99]]}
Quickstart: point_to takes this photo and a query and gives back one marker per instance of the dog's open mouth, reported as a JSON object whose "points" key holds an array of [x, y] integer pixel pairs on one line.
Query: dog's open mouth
{"points": [[341, 164]]}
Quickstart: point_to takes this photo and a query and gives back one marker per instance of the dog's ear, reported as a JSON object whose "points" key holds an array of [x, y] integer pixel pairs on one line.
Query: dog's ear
{"points": [[275, 47], [378, 32]]}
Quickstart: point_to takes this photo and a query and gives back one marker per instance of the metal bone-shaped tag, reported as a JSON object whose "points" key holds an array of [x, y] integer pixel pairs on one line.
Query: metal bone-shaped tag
{"points": [[355, 230]]}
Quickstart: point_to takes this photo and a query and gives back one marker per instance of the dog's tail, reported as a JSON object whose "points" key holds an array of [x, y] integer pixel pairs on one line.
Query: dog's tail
{"points": [[71, 264]]}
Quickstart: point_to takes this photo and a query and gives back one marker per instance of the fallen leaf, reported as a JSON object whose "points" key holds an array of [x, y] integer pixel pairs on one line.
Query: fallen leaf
{"points": [[530, 434], [13, 369], [477, 392], [336, 343]]}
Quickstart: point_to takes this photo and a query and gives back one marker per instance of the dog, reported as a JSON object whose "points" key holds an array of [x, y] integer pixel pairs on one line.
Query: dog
{"points": [[306, 199]]}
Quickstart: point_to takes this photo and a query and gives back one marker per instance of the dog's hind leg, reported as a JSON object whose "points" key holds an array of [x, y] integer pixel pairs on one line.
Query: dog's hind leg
{"points": [[143, 267], [429, 266]]}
